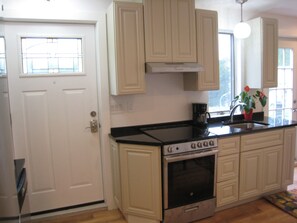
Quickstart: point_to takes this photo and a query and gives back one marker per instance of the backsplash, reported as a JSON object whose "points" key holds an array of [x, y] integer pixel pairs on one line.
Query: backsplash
{"points": [[164, 101]]}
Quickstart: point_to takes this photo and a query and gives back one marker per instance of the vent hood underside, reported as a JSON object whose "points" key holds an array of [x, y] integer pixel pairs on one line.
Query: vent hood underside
{"points": [[173, 67]]}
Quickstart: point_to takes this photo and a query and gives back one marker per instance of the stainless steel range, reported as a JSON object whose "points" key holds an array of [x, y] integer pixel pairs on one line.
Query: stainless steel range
{"points": [[189, 172]]}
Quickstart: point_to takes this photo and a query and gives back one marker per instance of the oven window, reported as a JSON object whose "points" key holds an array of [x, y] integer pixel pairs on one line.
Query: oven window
{"points": [[190, 181]]}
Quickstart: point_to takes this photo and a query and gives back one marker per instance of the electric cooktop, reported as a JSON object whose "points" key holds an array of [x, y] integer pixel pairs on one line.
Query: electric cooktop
{"points": [[177, 133]]}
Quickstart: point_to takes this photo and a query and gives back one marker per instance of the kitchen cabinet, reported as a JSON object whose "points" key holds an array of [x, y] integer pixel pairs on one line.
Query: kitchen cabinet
{"points": [[261, 53], [170, 30], [137, 181], [227, 170], [207, 52], [126, 48], [260, 163], [288, 157]]}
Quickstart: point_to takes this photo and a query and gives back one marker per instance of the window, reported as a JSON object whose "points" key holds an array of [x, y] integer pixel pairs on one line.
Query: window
{"points": [[2, 57], [51, 55], [219, 101], [281, 98]]}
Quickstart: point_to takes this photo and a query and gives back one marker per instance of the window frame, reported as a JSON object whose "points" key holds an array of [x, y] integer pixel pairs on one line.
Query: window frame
{"points": [[232, 67], [20, 62]]}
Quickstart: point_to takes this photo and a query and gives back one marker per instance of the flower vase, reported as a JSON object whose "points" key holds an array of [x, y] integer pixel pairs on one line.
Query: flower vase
{"points": [[248, 116]]}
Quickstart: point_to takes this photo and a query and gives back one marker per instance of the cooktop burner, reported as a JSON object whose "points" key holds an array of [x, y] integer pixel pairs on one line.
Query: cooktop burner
{"points": [[178, 133]]}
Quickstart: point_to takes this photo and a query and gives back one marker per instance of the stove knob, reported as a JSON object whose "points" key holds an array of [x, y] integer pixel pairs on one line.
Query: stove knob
{"points": [[205, 143], [193, 145], [199, 144], [211, 143], [169, 149]]}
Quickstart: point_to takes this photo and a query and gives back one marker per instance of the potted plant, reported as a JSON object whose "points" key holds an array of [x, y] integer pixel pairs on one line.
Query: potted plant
{"points": [[249, 102]]}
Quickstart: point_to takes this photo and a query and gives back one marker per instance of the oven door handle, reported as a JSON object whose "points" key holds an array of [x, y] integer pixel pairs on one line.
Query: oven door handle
{"points": [[190, 156]]}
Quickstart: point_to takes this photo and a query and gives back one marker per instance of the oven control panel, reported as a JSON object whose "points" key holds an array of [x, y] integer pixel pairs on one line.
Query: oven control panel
{"points": [[190, 146]]}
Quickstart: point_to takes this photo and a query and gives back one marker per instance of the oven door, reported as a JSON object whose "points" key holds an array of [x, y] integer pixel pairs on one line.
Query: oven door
{"points": [[189, 178]]}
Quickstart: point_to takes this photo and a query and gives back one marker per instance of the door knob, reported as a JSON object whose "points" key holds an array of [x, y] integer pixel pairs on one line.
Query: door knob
{"points": [[93, 126]]}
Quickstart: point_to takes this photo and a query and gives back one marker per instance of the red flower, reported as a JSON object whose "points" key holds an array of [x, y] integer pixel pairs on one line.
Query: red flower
{"points": [[247, 88]]}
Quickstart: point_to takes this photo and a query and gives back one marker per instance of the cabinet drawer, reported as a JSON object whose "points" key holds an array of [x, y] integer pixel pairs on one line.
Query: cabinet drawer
{"points": [[227, 192], [228, 146], [228, 167], [261, 140]]}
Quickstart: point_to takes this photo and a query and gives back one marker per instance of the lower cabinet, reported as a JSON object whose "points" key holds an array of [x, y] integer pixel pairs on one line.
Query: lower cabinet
{"points": [[260, 163], [260, 171], [138, 190], [251, 165]]}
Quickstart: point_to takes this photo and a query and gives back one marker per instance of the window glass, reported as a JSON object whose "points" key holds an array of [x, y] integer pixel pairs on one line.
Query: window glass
{"points": [[219, 101], [51, 55], [2, 57]]}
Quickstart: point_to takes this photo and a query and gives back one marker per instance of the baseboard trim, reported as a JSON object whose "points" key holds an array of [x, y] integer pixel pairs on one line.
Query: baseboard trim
{"points": [[69, 210]]}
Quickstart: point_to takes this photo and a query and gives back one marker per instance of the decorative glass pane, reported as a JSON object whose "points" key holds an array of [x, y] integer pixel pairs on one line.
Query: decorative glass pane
{"points": [[281, 78], [288, 103], [52, 55], [272, 99], [2, 57], [280, 57], [288, 78], [288, 57]]}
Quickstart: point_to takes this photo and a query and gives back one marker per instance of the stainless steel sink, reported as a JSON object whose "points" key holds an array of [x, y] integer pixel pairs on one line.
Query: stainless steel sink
{"points": [[247, 125]]}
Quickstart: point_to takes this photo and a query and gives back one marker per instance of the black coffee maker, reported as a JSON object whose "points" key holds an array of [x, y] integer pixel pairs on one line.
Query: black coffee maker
{"points": [[200, 114]]}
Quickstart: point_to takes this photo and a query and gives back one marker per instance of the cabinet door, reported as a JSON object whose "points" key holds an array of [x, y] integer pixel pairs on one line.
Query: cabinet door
{"points": [[270, 52], [116, 177], [250, 174], [288, 157], [227, 192], [126, 48], [157, 23], [261, 53], [183, 30], [141, 180], [207, 52], [272, 168]]}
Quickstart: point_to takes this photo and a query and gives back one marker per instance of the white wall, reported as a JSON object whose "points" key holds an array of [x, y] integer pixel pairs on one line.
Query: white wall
{"points": [[165, 99]]}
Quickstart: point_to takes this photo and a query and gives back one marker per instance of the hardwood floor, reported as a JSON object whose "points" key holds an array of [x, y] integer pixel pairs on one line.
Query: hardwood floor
{"points": [[259, 211]]}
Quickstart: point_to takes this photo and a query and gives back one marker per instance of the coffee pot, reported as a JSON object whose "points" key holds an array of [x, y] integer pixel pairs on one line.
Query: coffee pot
{"points": [[200, 114]]}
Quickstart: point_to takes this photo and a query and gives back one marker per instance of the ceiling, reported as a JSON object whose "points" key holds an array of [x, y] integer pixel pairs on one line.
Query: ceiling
{"points": [[277, 7]]}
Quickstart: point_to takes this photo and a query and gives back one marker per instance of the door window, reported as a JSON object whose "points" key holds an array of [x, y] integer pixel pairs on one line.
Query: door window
{"points": [[281, 97], [51, 55]]}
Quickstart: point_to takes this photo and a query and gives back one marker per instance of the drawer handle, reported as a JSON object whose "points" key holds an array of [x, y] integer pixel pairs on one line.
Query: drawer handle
{"points": [[192, 209]]}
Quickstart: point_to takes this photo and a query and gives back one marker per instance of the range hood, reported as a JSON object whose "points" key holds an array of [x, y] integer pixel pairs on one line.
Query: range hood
{"points": [[173, 67]]}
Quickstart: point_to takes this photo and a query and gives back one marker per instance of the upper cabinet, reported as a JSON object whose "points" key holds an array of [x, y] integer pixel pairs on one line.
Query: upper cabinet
{"points": [[261, 53], [207, 51], [126, 48], [170, 30]]}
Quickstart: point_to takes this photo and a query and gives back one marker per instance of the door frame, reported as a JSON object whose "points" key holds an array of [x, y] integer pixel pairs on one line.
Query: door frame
{"points": [[102, 97], [104, 114]]}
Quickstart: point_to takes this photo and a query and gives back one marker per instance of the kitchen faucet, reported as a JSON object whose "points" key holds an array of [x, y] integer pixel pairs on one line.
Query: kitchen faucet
{"points": [[233, 108]]}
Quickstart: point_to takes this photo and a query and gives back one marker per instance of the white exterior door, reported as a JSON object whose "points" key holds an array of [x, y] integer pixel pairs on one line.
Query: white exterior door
{"points": [[50, 116]]}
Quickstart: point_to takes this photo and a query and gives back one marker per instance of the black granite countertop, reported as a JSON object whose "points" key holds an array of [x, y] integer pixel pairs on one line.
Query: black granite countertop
{"points": [[217, 127]]}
